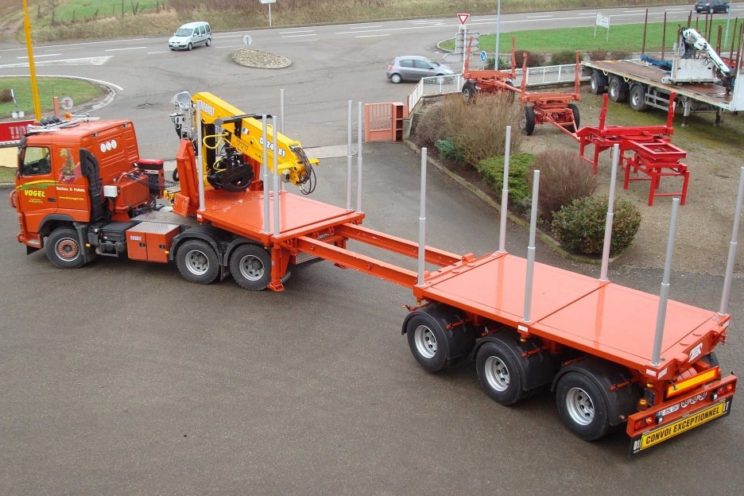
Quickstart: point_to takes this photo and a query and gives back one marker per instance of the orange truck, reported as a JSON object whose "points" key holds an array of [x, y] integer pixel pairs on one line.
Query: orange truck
{"points": [[82, 192]]}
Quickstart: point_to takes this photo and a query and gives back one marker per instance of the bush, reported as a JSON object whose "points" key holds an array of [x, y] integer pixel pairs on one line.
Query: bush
{"points": [[580, 226], [5, 96], [430, 127], [620, 55], [533, 59], [448, 150], [564, 57], [478, 130], [564, 177], [597, 55], [492, 170]]}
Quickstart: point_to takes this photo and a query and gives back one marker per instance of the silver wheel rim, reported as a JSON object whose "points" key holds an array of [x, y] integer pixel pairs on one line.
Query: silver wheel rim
{"points": [[497, 374], [197, 262], [426, 342], [251, 268], [580, 406]]}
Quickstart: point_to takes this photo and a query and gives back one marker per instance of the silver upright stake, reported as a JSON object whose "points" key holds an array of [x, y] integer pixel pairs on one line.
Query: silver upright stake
{"points": [[265, 174], [281, 109], [732, 248], [664, 293], [531, 248], [505, 192], [610, 214], [348, 161], [359, 158], [199, 164], [277, 212], [422, 220]]}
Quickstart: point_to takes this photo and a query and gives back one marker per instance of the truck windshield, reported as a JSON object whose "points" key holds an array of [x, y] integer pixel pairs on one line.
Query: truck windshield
{"points": [[36, 161]]}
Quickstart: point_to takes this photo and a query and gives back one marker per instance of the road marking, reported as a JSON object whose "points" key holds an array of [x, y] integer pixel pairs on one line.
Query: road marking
{"points": [[549, 16], [366, 27], [155, 53], [634, 11], [587, 14], [372, 35], [298, 35], [81, 61], [39, 56], [295, 31], [125, 48]]}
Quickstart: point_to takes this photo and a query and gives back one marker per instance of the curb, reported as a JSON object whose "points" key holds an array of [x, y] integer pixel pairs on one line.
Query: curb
{"points": [[481, 195]]}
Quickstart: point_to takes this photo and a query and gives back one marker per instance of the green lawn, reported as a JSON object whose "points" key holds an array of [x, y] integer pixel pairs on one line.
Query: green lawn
{"points": [[623, 37], [7, 174], [79, 90]]}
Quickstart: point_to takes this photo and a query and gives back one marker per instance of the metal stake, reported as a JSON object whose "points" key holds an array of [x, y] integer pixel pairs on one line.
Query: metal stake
{"points": [[610, 214], [422, 220], [277, 212], [505, 191], [199, 165], [531, 248], [664, 293], [732, 248], [265, 174], [348, 162], [359, 159]]}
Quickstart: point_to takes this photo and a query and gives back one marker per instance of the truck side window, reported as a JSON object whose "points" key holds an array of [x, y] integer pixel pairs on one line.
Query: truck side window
{"points": [[36, 161]]}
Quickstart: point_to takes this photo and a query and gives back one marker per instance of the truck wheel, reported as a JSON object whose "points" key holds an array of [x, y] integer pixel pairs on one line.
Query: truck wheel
{"points": [[499, 373], [197, 262], [576, 117], [437, 337], [250, 266], [527, 122], [582, 406], [63, 249], [638, 98], [618, 89], [468, 93], [597, 82]]}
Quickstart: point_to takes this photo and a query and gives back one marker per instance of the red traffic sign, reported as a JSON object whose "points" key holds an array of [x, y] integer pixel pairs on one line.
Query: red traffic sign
{"points": [[463, 17]]}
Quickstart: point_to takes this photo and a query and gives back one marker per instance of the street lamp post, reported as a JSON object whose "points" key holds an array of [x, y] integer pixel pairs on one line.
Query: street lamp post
{"points": [[31, 65]]}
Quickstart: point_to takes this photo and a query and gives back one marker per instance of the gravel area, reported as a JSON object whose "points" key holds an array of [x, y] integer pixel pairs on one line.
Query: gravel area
{"points": [[248, 57]]}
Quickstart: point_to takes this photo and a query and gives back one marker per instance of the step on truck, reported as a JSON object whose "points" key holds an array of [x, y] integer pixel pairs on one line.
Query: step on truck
{"points": [[83, 192]]}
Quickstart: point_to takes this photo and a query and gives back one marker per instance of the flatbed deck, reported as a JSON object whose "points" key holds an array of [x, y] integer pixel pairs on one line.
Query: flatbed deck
{"points": [[599, 317], [712, 94]]}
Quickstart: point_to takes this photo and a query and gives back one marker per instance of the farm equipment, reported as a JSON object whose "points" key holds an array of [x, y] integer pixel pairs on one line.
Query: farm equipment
{"points": [[487, 81], [82, 191], [646, 152]]}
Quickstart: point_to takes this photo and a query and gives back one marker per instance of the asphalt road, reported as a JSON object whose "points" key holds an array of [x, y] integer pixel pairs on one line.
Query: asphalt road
{"points": [[122, 378]]}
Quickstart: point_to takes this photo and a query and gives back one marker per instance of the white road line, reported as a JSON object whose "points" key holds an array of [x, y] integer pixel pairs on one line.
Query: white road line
{"points": [[372, 35], [81, 61], [40, 56], [155, 53], [298, 35], [588, 14], [366, 27], [634, 11], [549, 16], [125, 48], [296, 31]]}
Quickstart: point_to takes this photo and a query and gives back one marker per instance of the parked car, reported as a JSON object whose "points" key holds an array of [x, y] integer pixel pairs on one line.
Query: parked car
{"points": [[414, 67], [711, 6], [190, 35]]}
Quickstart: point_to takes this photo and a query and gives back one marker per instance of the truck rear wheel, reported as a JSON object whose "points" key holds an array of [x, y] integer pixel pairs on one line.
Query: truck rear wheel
{"points": [[437, 336], [638, 97], [64, 250], [527, 123], [499, 373], [197, 262], [582, 406], [250, 266], [597, 82], [618, 89]]}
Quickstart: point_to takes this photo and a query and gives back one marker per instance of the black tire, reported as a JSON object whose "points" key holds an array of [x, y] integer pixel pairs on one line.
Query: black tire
{"points": [[64, 250], [209, 41], [597, 82], [250, 266], [637, 100], [499, 372], [190, 47], [576, 117], [618, 89], [582, 406], [175, 174], [527, 123], [197, 262], [468, 92], [395, 78], [434, 339]]}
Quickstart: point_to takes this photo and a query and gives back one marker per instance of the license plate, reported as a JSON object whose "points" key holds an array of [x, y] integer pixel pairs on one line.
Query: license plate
{"points": [[657, 436]]}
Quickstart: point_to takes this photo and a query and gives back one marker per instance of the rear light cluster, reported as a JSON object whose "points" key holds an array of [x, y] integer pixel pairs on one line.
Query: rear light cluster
{"points": [[723, 390]]}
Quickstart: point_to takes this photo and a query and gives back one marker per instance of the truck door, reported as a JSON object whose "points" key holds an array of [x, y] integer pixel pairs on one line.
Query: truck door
{"points": [[36, 186]]}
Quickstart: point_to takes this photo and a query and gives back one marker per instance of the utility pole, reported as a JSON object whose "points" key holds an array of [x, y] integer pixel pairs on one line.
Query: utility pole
{"points": [[31, 65]]}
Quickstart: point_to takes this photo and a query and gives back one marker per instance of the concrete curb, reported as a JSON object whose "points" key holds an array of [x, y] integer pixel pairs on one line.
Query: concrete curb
{"points": [[544, 237]]}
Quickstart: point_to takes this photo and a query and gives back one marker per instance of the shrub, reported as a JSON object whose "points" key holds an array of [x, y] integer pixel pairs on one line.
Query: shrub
{"points": [[492, 170], [580, 226], [430, 126], [564, 57], [620, 55], [5, 96], [533, 59], [448, 150], [564, 177], [597, 55], [478, 130]]}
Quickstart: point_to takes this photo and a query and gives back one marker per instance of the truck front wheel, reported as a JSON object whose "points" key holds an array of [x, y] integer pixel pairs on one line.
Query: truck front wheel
{"points": [[63, 249], [197, 262], [250, 266], [582, 406]]}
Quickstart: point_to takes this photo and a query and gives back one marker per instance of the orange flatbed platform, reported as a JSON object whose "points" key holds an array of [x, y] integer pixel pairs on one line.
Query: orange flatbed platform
{"points": [[602, 318]]}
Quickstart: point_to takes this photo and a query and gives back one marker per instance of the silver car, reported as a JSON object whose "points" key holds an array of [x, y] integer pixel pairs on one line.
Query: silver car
{"points": [[414, 67]]}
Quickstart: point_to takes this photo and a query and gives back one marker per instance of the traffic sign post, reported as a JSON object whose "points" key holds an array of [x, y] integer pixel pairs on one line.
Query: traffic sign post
{"points": [[268, 2]]}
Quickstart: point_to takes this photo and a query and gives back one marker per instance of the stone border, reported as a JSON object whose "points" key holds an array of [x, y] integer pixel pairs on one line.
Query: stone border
{"points": [[258, 59]]}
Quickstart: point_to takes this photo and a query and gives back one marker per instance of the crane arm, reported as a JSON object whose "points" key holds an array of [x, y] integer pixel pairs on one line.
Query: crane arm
{"points": [[692, 37]]}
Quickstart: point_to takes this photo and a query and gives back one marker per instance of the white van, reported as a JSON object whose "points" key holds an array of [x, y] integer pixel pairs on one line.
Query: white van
{"points": [[190, 35]]}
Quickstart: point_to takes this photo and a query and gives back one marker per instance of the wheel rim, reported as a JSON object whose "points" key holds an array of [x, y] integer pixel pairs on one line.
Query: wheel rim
{"points": [[594, 85], [497, 374], [580, 406], [197, 262], [251, 268], [426, 342], [67, 249], [636, 99]]}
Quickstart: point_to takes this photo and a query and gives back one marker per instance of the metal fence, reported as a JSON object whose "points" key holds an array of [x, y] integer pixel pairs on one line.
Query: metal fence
{"points": [[536, 77]]}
